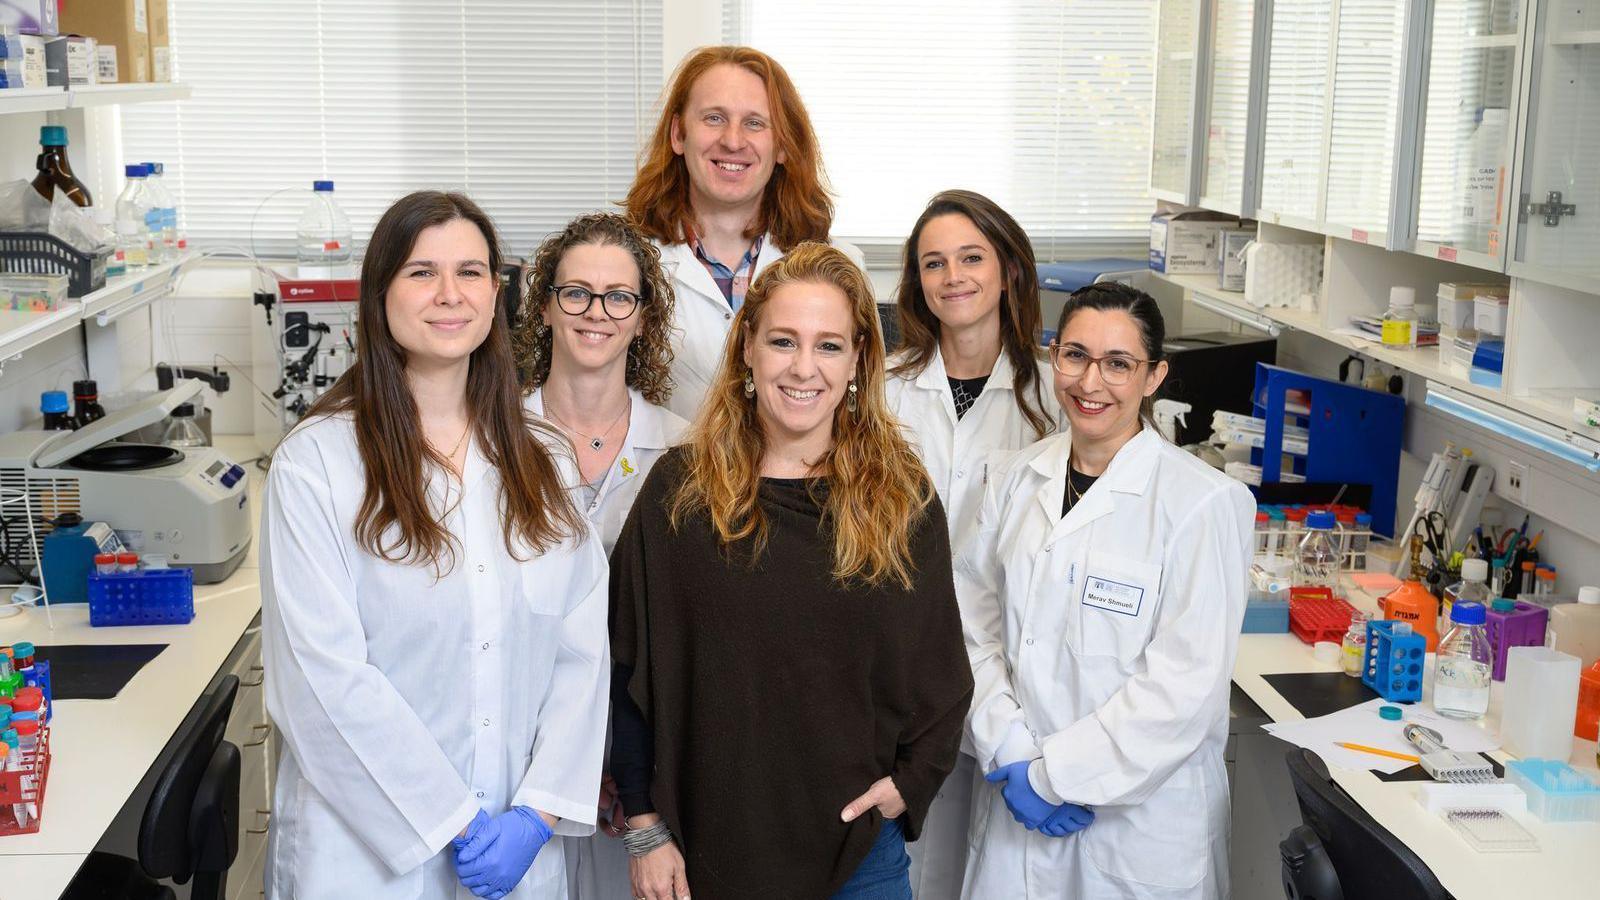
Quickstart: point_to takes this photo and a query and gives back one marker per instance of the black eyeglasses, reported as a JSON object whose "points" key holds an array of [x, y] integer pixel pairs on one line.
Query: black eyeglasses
{"points": [[575, 300]]}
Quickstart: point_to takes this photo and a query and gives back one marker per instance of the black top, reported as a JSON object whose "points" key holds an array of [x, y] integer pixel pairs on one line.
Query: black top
{"points": [[752, 702], [965, 391], [1078, 484]]}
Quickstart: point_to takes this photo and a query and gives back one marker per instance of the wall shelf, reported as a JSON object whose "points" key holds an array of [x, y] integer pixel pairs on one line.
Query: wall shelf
{"points": [[126, 293], [1424, 363], [20, 330], [25, 100]]}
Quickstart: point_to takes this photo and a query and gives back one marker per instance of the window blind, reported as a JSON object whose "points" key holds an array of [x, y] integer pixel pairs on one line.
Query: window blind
{"points": [[534, 109], [1045, 107]]}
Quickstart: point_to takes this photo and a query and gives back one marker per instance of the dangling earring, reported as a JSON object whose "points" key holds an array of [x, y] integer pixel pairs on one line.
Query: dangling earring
{"points": [[749, 385], [850, 398]]}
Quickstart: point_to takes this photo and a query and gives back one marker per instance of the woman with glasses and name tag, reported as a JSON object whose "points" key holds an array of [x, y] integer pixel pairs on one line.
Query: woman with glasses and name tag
{"points": [[1102, 593], [596, 351]]}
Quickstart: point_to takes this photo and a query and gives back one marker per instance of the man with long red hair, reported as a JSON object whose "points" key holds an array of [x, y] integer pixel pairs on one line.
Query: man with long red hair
{"points": [[730, 181]]}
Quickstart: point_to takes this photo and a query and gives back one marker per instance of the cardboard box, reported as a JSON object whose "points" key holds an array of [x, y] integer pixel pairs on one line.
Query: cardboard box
{"points": [[123, 24], [30, 16], [74, 56], [35, 73], [1184, 242], [1230, 257], [160, 43]]}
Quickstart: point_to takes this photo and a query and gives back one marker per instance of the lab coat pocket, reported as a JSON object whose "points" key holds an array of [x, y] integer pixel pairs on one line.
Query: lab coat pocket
{"points": [[1115, 603], [1161, 842], [543, 595], [330, 861]]}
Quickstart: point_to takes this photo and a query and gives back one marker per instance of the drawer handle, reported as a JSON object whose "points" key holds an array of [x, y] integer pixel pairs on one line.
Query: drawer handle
{"points": [[267, 813], [256, 683], [264, 729]]}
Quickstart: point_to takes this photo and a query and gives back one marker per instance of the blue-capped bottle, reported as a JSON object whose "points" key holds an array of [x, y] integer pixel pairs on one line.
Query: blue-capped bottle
{"points": [[55, 173], [57, 415], [1317, 562], [1464, 664], [323, 241]]}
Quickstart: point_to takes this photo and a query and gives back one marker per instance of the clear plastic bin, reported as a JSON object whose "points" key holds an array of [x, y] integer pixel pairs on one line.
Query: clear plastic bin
{"points": [[32, 293], [1556, 791]]}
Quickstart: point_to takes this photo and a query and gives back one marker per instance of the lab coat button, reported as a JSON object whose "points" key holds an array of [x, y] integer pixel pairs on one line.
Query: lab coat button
{"points": [[1030, 642], [480, 795], [486, 723], [480, 569], [961, 473], [485, 645], [727, 316]]}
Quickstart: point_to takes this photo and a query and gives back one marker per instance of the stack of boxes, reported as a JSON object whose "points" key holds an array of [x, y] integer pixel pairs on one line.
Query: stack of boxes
{"points": [[1472, 325], [129, 37]]}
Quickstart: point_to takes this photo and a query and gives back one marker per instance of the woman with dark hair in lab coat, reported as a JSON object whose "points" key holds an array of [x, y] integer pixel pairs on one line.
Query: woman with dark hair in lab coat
{"points": [[433, 606], [1102, 592], [969, 384]]}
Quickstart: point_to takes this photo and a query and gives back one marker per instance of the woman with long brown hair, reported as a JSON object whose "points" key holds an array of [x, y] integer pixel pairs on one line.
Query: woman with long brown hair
{"points": [[433, 606], [790, 682], [968, 382], [594, 351], [730, 181]]}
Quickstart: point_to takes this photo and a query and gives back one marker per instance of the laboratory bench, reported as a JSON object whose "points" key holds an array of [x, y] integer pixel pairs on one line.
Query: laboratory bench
{"points": [[1265, 808], [104, 752]]}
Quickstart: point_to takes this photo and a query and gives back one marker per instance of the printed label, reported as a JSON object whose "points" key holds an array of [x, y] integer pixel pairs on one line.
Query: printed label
{"points": [[1112, 596]]}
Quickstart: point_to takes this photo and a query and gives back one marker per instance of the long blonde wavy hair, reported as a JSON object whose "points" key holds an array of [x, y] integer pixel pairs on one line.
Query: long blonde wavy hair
{"points": [[877, 489]]}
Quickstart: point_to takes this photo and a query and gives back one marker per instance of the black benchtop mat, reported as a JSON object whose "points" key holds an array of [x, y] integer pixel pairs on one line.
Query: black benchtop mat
{"points": [[94, 671]]}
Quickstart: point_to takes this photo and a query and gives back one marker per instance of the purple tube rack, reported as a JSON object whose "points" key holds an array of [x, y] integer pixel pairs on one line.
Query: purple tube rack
{"points": [[1523, 626]]}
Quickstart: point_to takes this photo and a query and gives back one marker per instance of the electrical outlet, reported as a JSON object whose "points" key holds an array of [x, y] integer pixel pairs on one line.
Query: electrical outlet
{"points": [[1517, 482]]}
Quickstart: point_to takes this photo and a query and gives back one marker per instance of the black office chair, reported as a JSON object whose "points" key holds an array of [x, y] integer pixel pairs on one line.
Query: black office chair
{"points": [[190, 827], [1340, 853]]}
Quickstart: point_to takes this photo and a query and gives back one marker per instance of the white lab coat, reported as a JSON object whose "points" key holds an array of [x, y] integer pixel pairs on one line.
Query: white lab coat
{"points": [[1102, 645], [597, 865], [651, 430], [702, 319], [957, 453], [406, 704]]}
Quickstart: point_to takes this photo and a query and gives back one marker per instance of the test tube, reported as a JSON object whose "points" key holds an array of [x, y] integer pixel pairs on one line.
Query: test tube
{"points": [[1345, 526], [1263, 533], [1546, 577], [28, 744], [127, 561], [105, 563], [1360, 540]]}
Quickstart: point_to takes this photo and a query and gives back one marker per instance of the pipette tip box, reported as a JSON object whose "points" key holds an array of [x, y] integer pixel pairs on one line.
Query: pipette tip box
{"points": [[1556, 791]]}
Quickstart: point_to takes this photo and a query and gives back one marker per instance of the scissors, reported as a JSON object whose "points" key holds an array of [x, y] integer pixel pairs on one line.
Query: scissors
{"points": [[1436, 536]]}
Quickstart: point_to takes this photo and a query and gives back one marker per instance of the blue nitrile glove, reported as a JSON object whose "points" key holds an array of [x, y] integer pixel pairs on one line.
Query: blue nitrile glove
{"points": [[474, 828], [1027, 807], [498, 854], [1067, 819]]}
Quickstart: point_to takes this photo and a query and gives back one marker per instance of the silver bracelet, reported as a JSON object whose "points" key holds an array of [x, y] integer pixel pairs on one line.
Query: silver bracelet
{"points": [[639, 841]]}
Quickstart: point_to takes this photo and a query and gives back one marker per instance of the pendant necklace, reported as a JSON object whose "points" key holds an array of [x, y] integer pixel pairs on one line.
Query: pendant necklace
{"points": [[596, 443]]}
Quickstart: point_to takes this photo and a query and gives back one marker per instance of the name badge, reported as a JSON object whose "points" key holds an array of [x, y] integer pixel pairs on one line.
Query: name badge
{"points": [[1112, 596]]}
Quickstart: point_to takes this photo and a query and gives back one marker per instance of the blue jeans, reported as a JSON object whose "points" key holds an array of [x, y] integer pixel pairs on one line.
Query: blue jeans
{"points": [[886, 872]]}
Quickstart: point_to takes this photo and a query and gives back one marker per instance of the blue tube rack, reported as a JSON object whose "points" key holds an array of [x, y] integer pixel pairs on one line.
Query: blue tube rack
{"points": [[1394, 662], [145, 597]]}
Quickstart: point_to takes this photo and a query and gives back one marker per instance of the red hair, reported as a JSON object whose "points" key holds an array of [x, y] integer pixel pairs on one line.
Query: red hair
{"points": [[795, 206]]}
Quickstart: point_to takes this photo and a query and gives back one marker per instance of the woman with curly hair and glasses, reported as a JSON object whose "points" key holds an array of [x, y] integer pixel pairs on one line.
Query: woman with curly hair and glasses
{"points": [[789, 677], [594, 349]]}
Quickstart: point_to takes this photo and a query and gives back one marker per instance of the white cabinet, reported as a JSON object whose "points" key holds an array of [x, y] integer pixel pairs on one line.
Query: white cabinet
{"points": [[1180, 48], [1463, 202], [1369, 52], [1231, 151], [1557, 229], [1294, 145]]}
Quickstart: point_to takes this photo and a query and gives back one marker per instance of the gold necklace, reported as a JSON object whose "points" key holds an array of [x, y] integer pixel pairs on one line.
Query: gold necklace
{"points": [[459, 441]]}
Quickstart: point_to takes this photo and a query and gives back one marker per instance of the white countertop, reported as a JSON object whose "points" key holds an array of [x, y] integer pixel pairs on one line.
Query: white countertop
{"points": [[1564, 865], [102, 749]]}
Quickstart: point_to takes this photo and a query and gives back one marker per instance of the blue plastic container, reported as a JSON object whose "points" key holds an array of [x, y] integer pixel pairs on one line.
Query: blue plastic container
{"points": [[1556, 791], [1394, 662], [1266, 617], [146, 597]]}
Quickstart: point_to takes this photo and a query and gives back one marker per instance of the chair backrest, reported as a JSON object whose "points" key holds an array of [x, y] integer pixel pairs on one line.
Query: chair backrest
{"points": [[1370, 861], [196, 774]]}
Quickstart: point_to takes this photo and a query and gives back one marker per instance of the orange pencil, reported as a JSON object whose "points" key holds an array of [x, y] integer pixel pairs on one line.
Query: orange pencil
{"points": [[1374, 750]]}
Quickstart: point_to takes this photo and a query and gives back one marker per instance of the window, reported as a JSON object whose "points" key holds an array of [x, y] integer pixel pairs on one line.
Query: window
{"points": [[1043, 106], [536, 110]]}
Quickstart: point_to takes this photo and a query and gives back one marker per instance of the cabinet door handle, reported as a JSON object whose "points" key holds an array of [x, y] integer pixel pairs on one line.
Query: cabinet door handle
{"points": [[265, 817], [259, 678], [264, 729]]}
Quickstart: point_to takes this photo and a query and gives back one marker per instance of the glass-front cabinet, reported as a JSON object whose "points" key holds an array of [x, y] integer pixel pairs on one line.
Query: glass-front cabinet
{"points": [[1294, 138], [1230, 172], [1364, 118], [1178, 81], [1464, 207], [1556, 234]]}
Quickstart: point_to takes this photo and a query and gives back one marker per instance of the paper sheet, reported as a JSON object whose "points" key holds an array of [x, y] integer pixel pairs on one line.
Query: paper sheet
{"points": [[1361, 724]]}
